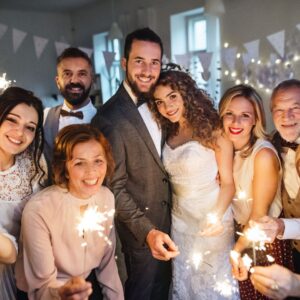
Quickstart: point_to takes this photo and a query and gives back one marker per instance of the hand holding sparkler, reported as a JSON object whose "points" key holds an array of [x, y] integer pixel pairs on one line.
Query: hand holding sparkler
{"points": [[239, 265], [161, 245], [272, 227], [75, 288], [213, 226]]}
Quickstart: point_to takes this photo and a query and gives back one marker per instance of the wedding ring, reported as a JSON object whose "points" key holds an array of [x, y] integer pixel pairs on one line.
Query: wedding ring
{"points": [[274, 286]]}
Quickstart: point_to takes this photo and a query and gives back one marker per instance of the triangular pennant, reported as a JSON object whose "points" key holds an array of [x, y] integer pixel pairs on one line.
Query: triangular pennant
{"points": [[277, 41], [88, 51], [205, 59], [109, 59], [298, 26], [253, 49], [246, 59], [39, 45], [205, 75], [3, 29], [60, 47], [273, 58], [18, 37], [183, 60], [229, 57]]}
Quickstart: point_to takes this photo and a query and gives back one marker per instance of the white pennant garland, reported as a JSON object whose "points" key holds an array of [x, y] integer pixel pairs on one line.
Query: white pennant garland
{"points": [[229, 57], [88, 51], [60, 47], [18, 37], [253, 49], [3, 29], [277, 41], [183, 60], [109, 58], [39, 45]]}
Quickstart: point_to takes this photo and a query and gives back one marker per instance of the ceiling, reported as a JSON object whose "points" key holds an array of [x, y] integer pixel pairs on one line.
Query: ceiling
{"points": [[46, 5]]}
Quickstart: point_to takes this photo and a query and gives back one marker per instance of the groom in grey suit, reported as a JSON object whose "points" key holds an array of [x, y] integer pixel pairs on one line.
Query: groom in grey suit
{"points": [[140, 184]]}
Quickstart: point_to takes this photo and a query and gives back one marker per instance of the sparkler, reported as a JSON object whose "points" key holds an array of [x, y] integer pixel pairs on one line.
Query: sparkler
{"points": [[197, 259], [93, 220], [226, 288], [4, 84]]}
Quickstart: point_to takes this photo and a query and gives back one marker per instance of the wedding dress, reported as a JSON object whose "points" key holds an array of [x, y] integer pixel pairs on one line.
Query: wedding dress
{"points": [[202, 269]]}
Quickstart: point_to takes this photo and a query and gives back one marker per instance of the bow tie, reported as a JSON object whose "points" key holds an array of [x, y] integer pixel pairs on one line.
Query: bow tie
{"points": [[291, 145], [76, 114]]}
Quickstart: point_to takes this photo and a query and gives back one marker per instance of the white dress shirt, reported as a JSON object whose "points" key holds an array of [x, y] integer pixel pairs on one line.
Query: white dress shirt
{"points": [[149, 120], [88, 111], [292, 229]]}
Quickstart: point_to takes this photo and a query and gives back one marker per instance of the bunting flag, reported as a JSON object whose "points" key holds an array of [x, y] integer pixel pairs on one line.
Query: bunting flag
{"points": [[39, 45], [253, 49], [60, 47], [246, 59], [273, 58], [18, 37], [277, 41], [205, 60], [88, 51], [183, 60], [3, 29], [298, 26], [229, 57], [109, 58]]}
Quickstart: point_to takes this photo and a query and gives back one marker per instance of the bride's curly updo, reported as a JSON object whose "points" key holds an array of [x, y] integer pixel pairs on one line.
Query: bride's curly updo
{"points": [[199, 108]]}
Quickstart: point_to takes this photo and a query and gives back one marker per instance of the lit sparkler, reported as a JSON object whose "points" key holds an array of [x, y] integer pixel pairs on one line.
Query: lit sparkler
{"points": [[4, 84], [93, 220], [226, 288], [197, 260]]}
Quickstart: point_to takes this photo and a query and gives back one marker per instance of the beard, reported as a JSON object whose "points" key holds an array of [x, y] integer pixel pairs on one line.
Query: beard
{"points": [[75, 99], [141, 96]]}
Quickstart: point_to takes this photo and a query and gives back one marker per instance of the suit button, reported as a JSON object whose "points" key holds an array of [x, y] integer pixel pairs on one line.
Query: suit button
{"points": [[164, 203], [165, 180]]}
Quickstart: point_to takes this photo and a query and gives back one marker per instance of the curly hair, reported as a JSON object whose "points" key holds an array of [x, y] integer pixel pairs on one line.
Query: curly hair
{"points": [[67, 139], [199, 107]]}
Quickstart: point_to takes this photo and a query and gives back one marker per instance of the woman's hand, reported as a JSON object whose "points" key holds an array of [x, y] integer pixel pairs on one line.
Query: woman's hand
{"points": [[213, 225], [239, 270], [75, 289]]}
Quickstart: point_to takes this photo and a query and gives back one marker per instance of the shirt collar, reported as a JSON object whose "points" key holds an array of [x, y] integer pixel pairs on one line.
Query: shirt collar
{"points": [[130, 92], [85, 108]]}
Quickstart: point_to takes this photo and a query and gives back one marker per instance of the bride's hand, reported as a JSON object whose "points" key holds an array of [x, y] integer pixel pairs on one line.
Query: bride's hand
{"points": [[213, 226], [239, 270]]}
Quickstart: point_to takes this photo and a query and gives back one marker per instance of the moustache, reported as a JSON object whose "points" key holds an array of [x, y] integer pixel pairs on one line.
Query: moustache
{"points": [[75, 85]]}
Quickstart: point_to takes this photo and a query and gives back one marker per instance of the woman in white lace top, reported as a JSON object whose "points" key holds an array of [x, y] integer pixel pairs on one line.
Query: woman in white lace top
{"points": [[21, 139]]}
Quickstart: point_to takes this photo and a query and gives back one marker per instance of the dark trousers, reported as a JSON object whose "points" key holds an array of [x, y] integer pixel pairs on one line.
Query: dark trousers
{"points": [[96, 295], [296, 259], [148, 278]]}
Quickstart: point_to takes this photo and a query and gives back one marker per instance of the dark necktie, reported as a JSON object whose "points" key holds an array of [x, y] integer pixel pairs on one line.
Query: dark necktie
{"points": [[76, 114]]}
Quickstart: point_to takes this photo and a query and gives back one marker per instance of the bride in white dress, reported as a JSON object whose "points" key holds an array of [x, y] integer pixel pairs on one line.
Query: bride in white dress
{"points": [[199, 162]]}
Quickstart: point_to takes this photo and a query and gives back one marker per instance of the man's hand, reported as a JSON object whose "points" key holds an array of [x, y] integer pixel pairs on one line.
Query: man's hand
{"points": [[271, 226], [75, 289], [161, 245], [275, 281]]}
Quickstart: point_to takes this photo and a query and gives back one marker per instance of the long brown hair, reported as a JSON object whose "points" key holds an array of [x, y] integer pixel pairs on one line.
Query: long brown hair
{"points": [[199, 108]]}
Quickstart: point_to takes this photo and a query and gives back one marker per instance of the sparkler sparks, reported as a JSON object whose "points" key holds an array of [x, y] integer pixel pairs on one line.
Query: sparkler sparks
{"points": [[92, 220], [4, 84], [225, 288]]}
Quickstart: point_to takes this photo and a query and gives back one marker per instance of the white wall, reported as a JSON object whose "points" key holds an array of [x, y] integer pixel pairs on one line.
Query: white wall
{"points": [[23, 66]]}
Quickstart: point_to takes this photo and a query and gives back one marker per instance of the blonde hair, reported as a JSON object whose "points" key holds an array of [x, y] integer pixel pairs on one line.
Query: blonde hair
{"points": [[250, 94]]}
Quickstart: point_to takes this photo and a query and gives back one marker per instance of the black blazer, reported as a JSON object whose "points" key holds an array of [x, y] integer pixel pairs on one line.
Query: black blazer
{"points": [[140, 183]]}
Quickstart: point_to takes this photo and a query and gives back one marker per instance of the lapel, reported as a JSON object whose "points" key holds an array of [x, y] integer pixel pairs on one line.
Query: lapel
{"points": [[131, 113]]}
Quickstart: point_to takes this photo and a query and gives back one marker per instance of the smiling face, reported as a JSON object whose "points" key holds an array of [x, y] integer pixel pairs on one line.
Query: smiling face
{"points": [[18, 130], [86, 169], [142, 66], [286, 113], [74, 80], [238, 121], [169, 103]]}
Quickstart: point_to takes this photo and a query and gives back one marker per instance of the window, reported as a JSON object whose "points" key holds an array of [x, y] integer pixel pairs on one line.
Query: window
{"points": [[109, 79], [192, 33]]}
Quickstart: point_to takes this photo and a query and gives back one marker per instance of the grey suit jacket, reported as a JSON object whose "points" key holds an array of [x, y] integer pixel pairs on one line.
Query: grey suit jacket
{"points": [[140, 182]]}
